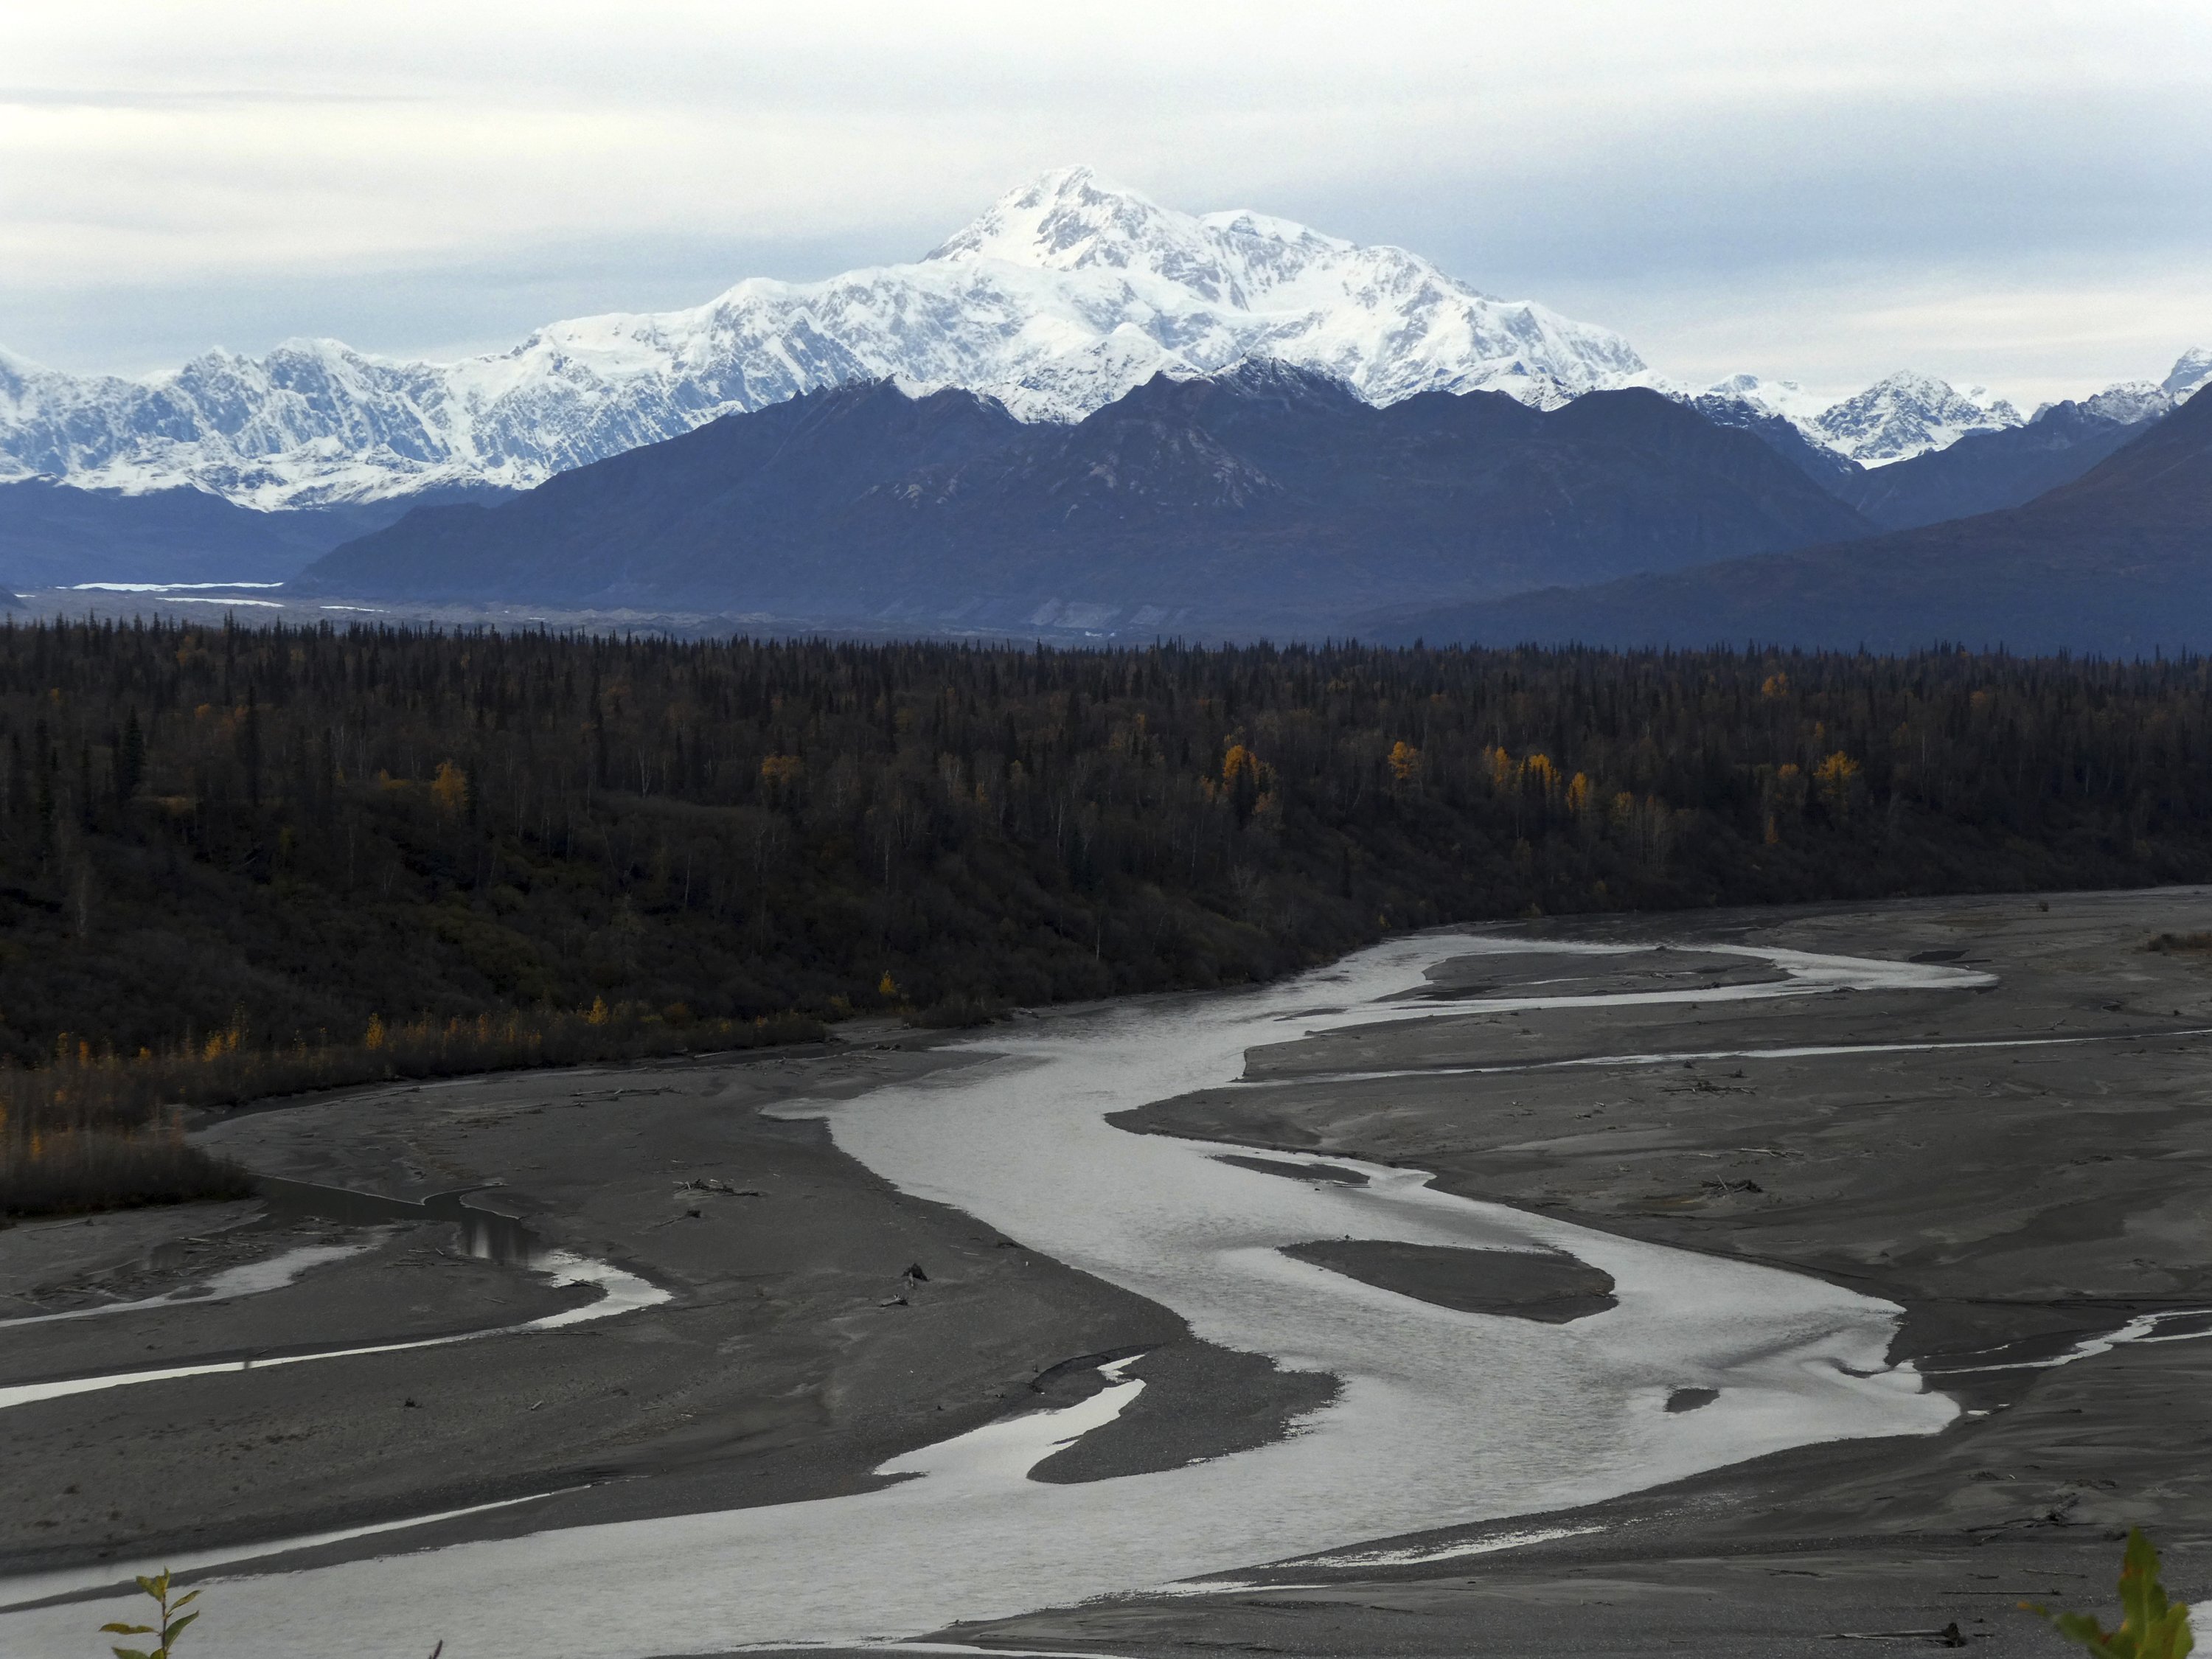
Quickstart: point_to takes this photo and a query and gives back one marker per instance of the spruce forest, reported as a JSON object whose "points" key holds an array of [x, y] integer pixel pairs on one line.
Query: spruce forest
{"points": [[425, 850]]}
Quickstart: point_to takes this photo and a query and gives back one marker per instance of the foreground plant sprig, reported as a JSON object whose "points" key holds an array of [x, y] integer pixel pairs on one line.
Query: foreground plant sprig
{"points": [[171, 1628], [2151, 1627]]}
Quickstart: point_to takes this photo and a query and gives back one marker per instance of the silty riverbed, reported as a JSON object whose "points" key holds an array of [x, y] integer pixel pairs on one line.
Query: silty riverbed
{"points": [[1444, 1417]]}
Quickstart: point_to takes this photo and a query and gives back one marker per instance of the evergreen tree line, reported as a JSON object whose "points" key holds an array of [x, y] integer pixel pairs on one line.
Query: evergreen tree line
{"points": [[279, 836]]}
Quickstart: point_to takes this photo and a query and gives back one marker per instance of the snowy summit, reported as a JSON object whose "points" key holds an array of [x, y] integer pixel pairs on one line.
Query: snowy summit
{"points": [[1063, 296], [1060, 298]]}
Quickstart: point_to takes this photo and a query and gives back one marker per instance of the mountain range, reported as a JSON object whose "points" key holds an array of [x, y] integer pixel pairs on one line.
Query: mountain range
{"points": [[1063, 295], [1087, 415], [1267, 498], [2116, 561]]}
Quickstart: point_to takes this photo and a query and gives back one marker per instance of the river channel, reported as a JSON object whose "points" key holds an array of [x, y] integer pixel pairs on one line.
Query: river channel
{"points": [[1443, 1419]]}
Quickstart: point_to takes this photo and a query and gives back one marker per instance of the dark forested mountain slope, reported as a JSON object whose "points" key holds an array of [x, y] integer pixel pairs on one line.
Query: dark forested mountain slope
{"points": [[1835, 472], [659, 524], [53, 535], [2118, 562], [1264, 499]]}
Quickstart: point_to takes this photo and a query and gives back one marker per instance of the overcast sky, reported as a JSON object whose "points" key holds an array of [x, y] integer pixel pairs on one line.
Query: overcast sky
{"points": [[2017, 192]]}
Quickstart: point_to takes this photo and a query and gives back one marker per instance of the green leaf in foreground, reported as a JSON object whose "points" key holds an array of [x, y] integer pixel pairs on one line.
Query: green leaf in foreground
{"points": [[2151, 1627], [172, 1627]]}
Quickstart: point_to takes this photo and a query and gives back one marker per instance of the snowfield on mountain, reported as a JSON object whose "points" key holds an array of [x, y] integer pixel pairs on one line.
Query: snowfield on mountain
{"points": [[1062, 298], [1065, 295]]}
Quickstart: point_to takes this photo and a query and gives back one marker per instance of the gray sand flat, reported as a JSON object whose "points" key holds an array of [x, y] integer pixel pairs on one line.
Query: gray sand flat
{"points": [[1516, 1284], [1333, 1173], [1198, 1400], [85, 1261]]}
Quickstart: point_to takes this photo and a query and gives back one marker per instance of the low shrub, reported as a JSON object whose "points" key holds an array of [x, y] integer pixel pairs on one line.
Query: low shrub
{"points": [[98, 1130], [74, 1172], [958, 1011]]}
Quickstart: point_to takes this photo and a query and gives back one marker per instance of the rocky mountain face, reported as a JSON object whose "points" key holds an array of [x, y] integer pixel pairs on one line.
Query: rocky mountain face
{"points": [[1906, 414], [2119, 562], [1061, 298], [1267, 499]]}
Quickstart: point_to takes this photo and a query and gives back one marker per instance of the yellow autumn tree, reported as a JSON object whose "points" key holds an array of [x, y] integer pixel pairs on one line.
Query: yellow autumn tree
{"points": [[1834, 777], [1404, 763], [1240, 778], [1542, 776], [450, 789]]}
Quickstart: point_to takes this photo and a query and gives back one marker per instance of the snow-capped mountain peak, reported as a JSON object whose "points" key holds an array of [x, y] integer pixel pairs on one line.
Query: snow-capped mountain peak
{"points": [[2191, 371], [18, 378], [1068, 220], [2126, 401], [1907, 414], [1800, 408], [1061, 297], [2129, 402], [1071, 220]]}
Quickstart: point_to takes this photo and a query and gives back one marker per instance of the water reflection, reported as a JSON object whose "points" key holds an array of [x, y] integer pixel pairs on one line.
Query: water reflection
{"points": [[485, 1234]]}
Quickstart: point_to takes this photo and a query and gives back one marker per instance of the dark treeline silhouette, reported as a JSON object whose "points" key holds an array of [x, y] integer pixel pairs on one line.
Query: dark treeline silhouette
{"points": [[222, 838]]}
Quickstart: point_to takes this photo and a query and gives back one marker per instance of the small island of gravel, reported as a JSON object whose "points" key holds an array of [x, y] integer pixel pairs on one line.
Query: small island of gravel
{"points": [[1554, 1288]]}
